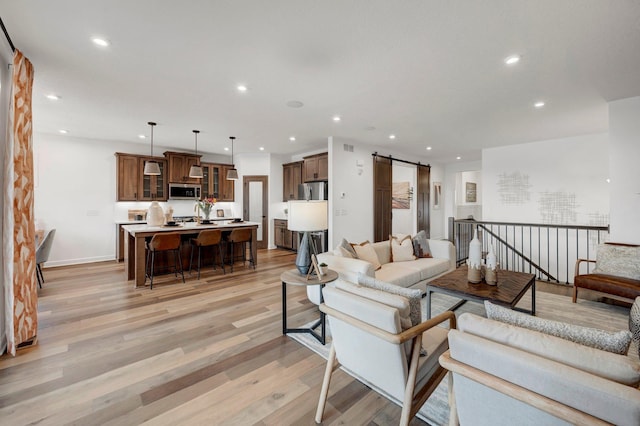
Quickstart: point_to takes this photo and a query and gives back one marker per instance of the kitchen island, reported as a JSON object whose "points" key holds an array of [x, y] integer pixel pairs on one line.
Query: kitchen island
{"points": [[136, 235]]}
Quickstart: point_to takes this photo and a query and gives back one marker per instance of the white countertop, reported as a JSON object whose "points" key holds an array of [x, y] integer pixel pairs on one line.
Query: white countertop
{"points": [[135, 228]]}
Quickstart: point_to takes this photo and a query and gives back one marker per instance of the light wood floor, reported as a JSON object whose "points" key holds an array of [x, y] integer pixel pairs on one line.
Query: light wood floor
{"points": [[210, 351]]}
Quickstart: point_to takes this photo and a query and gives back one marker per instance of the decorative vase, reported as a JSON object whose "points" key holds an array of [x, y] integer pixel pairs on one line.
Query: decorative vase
{"points": [[303, 259], [155, 214], [491, 270], [475, 259]]}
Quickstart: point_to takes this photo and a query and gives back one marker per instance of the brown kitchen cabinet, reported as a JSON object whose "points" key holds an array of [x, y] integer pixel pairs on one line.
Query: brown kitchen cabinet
{"points": [[133, 185], [291, 178], [215, 183], [179, 165], [316, 167], [283, 237]]}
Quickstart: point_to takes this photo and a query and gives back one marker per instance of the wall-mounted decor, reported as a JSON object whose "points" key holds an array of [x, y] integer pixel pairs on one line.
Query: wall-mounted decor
{"points": [[437, 195], [401, 195], [470, 192]]}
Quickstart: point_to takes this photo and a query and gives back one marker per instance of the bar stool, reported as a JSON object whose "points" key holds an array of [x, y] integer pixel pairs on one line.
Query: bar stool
{"points": [[164, 242], [206, 238], [241, 236]]}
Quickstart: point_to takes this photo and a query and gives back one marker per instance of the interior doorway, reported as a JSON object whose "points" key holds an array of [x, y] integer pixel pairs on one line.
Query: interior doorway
{"points": [[255, 202]]}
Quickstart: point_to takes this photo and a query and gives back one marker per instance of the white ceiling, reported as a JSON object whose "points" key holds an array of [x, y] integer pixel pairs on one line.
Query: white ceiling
{"points": [[429, 71]]}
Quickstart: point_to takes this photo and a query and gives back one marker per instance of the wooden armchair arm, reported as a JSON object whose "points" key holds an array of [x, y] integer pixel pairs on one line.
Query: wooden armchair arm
{"points": [[578, 262], [390, 337]]}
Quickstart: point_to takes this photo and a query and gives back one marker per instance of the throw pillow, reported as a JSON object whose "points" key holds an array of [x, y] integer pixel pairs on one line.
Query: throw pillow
{"points": [[617, 343], [413, 294], [634, 322], [401, 249], [345, 245], [342, 252], [365, 251], [421, 245], [619, 260]]}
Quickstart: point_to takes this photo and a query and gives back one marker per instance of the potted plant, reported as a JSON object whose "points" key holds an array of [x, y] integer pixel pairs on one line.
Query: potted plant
{"points": [[323, 268]]}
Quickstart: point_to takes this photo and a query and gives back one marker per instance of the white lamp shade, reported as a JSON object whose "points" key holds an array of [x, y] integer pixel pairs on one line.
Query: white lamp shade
{"points": [[151, 168], [195, 172], [307, 216]]}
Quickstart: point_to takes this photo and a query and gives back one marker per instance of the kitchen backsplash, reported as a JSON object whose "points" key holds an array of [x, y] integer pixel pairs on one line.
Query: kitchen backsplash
{"points": [[180, 208]]}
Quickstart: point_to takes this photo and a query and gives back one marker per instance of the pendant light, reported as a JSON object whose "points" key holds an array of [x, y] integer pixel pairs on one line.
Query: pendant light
{"points": [[232, 173], [151, 167], [196, 170]]}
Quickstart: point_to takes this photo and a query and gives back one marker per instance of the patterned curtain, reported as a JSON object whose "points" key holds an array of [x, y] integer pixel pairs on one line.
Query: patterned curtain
{"points": [[19, 253]]}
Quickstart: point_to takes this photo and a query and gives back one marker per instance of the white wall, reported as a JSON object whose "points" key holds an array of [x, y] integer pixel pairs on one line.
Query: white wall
{"points": [[559, 181], [465, 209], [449, 189], [624, 135]]}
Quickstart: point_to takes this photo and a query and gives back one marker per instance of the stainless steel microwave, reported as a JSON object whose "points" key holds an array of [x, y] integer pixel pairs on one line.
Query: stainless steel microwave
{"points": [[184, 191]]}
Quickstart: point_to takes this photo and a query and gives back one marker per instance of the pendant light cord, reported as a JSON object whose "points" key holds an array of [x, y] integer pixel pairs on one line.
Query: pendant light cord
{"points": [[232, 139], [196, 133], [151, 123]]}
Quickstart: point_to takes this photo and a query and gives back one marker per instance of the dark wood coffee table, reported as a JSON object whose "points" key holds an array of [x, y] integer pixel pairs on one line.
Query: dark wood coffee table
{"points": [[510, 289]]}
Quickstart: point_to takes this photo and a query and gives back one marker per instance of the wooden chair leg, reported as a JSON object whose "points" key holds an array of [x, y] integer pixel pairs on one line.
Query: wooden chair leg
{"points": [[221, 253], [324, 392], [178, 258], [407, 405], [575, 293], [453, 410]]}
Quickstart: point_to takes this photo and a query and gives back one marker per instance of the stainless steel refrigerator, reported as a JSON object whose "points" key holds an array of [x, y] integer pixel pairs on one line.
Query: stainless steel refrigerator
{"points": [[316, 191], [313, 191]]}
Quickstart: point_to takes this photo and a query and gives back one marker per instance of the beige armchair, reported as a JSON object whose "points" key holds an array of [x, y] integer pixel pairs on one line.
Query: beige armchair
{"points": [[369, 340]]}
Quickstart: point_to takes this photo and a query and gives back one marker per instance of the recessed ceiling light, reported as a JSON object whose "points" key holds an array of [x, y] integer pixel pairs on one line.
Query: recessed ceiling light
{"points": [[539, 104], [53, 97], [392, 137], [292, 138], [63, 131], [295, 104], [512, 60], [428, 148], [226, 148], [100, 42], [336, 118], [458, 158], [262, 148], [242, 88], [608, 180], [142, 136]]}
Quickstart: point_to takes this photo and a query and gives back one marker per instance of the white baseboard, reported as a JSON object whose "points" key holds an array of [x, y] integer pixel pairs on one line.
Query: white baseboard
{"points": [[67, 262]]}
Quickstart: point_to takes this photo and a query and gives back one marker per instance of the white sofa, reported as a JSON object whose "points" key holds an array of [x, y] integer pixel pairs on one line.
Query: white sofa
{"points": [[414, 273], [506, 375]]}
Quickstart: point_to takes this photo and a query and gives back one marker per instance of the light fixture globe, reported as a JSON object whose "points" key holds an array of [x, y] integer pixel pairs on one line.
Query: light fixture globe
{"points": [[195, 171], [151, 168], [232, 173]]}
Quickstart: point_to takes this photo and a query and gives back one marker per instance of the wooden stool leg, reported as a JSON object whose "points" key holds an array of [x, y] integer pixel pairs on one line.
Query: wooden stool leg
{"points": [[221, 258], [153, 260]]}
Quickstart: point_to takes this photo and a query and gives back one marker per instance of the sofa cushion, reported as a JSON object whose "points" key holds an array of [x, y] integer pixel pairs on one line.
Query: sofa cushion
{"points": [[401, 249], [428, 267], [421, 245], [365, 251], [619, 368], [399, 273], [618, 260], [413, 295], [612, 342]]}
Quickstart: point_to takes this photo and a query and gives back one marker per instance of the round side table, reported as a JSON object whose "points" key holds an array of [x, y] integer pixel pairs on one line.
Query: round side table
{"points": [[293, 277]]}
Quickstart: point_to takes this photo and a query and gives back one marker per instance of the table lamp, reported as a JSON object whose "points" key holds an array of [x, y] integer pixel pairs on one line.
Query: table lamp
{"points": [[305, 217]]}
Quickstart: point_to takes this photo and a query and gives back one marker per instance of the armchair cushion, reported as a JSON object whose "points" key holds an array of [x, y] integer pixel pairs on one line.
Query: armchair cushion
{"points": [[618, 260], [621, 369], [414, 296], [634, 322], [617, 342]]}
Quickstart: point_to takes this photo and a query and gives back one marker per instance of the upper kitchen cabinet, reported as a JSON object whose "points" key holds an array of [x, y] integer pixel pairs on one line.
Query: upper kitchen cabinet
{"points": [[291, 178], [316, 167], [215, 183], [133, 185], [179, 165]]}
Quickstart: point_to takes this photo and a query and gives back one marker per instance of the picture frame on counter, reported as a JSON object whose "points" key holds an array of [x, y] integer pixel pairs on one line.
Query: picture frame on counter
{"points": [[219, 213]]}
